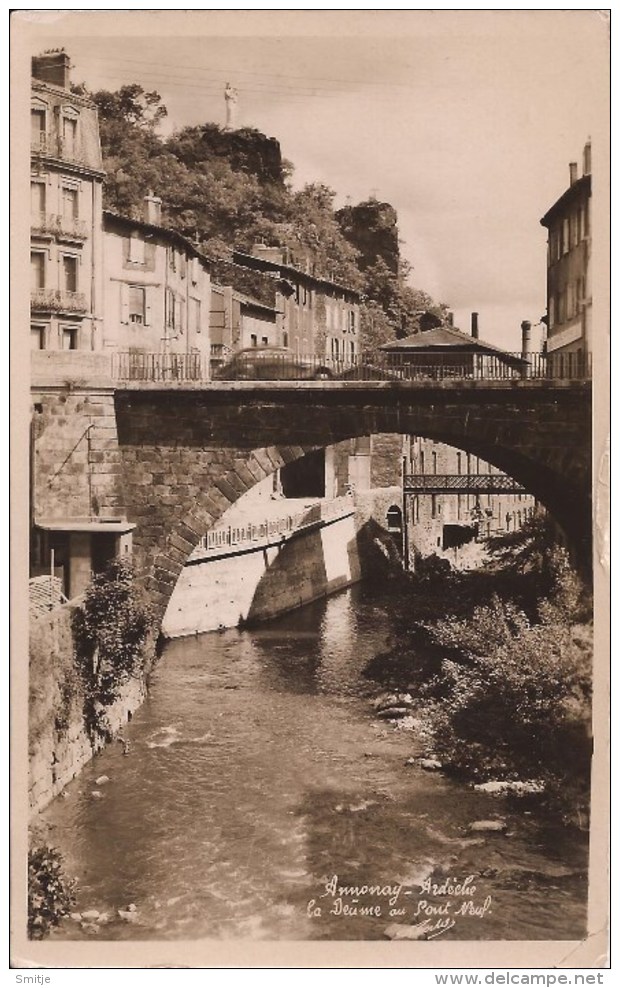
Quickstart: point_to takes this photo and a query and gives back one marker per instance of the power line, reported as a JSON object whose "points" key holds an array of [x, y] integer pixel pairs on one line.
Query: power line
{"points": [[213, 88], [208, 90], [239, 72]]}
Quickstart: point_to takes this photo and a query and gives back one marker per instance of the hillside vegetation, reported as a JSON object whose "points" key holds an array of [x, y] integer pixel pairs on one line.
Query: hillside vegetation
{"points": [[228, 189]]}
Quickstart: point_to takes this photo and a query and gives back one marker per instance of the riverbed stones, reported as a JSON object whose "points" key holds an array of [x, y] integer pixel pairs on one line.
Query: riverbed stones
{"points": [[430, 764], [101, 781], [129, 915], [487, 826], [91, 915], [495, 787], [388, 701], [392, 713], [96, 794]]}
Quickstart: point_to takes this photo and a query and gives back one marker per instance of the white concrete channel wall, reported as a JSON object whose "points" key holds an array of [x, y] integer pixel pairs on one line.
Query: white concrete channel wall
{"points": [[257, 570]]}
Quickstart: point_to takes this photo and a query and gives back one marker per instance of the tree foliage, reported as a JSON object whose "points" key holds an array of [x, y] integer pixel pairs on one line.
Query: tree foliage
{"points": [[110, 630], [50, 893], [230, 189], [499, 662]]}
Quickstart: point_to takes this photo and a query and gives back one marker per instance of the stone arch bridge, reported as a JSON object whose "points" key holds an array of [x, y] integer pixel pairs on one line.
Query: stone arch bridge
{"points": [[173, 458]]}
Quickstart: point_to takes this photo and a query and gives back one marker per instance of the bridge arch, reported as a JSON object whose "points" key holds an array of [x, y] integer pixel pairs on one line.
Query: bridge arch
{"points": [[186, 456]]}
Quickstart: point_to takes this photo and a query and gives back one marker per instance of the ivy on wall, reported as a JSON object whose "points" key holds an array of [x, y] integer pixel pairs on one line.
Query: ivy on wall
{"points": [[110, 629]]}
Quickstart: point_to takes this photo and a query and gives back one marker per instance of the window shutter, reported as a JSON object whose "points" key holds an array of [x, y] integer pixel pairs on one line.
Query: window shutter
{"points": [[124, 303], [147, 307]]}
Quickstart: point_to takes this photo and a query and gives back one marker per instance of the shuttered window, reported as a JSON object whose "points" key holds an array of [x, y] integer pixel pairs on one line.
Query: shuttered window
{"points": [[137, 305]]}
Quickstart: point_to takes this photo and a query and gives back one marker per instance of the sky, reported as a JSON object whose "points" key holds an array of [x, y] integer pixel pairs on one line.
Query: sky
{"points": [[464, 121]]}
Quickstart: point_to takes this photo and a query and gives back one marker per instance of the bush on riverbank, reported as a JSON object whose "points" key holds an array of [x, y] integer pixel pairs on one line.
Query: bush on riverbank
{"points": [[110, 629], [503, 683], [51, 894]]}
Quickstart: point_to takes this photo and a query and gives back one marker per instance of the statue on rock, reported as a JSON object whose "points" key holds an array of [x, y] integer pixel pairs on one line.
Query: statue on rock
{"points": [[231, 96]]}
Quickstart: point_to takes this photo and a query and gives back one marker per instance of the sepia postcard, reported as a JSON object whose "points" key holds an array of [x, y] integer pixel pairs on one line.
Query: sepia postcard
{"points": [[310, 556]]}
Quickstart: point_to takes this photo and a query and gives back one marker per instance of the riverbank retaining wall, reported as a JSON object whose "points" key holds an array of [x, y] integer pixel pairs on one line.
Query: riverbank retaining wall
{"points": [[255, 584], [59, 744]]}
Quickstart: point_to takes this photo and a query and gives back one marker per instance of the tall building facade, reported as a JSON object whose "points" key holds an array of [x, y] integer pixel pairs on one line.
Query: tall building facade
{"points": [[569, 249], [66, 303], [157, 290], [442, 523], [316, 317]]}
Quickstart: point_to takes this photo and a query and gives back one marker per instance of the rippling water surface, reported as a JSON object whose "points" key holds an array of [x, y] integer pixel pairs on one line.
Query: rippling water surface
{"points": [[257, 772]]}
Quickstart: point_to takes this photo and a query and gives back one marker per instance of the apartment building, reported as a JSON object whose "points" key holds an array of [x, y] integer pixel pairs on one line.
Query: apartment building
{"points": [[66, 177], [569, 250]]}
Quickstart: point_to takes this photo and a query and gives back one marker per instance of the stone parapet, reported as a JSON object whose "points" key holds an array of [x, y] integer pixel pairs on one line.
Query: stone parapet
{"points": [[70, 368]]}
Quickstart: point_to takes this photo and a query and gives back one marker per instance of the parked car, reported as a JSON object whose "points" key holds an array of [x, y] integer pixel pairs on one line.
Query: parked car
{"points": [[272, 363], [365, 371]]}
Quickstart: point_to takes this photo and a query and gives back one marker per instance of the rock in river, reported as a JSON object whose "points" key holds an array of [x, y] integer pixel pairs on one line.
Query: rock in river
{"points": [[430, 764], [487, 826], [392, 713]]}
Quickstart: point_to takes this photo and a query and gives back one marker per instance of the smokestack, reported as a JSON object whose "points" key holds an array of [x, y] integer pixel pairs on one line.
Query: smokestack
{"points": [[573, 172], [53, 67], [587, 158], [152, 209], [474, 325], [526, 345], [450, 318]]}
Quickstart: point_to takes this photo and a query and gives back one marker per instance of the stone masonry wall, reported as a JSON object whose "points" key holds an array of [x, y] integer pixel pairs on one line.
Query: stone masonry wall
{"points": [[76, 461], [59, 745]]}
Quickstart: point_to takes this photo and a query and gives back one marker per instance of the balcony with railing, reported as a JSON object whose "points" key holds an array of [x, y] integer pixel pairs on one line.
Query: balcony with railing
{"points": [[57, 300], [56, 225]]}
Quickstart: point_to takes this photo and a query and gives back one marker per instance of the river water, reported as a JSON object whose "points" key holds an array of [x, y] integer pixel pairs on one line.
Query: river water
{"points": [[257, 771]]}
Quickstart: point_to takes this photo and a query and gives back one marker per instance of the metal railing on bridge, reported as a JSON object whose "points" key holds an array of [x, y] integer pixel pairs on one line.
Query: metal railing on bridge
{"points": [[254, 534], [477, 483], [288, 366]]}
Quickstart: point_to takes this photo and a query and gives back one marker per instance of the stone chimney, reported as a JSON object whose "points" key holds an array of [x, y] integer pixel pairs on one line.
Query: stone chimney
{"points": [[573, 170], [474, 325], [526, 345], [587, 158], [53, 67], [450, 318], [152, 209]]}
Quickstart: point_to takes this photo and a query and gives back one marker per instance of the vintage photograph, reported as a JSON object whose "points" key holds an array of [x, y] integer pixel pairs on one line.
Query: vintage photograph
{"points": [[315, 495]]}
